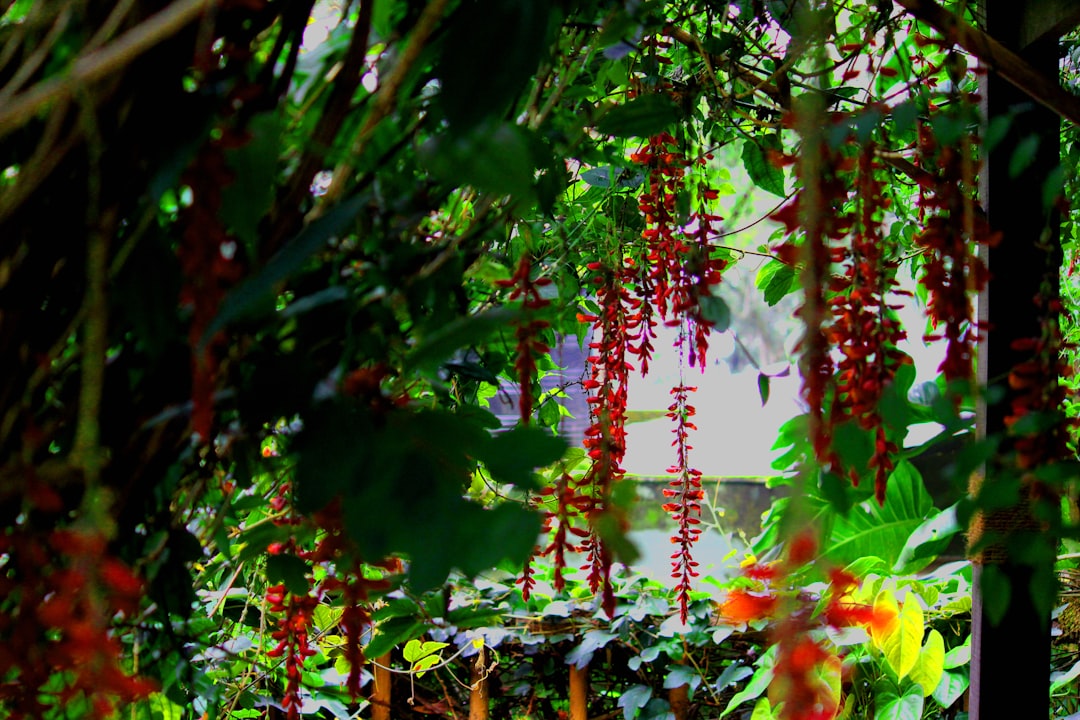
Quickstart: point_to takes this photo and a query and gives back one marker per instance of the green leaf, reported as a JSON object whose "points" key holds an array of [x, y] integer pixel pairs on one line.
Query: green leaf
{"points": [[902, 646], [512, 456], [931, 663], [606, 177], [643, 116], [393, 632], [416, 650], [326, 617], [758, 683], [762, 172], [776, 280], [716, 311], [959, 655], [679, 675], [763, 710], [927, 541], [471, 330], [1023, 155], [763, 388], [633, 699], [499, 158], [892, 705], [952, 687], [883, 531], [257, 295], [500, 41], [290, 570], [904, 116], [245, 200]]}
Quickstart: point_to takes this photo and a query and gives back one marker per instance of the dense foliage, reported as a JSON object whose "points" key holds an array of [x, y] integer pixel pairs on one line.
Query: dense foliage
{"points": [[260, 288]]}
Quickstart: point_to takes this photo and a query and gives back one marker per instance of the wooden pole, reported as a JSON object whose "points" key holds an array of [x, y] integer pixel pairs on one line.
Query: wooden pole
{"points": [[380, 692], [1011, 659], [479, 707], [579, 692], [679, 699]]}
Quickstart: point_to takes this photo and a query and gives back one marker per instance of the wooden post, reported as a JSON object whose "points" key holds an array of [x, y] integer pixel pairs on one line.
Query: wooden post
{"points": [[579, 692], [1011, 659], [478, 697], [679, 699], [380, 692]]}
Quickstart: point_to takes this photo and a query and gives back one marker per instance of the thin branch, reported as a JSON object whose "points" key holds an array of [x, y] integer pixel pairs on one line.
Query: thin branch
{"points": [[383, 103], [1006, 63], [101, 63]]}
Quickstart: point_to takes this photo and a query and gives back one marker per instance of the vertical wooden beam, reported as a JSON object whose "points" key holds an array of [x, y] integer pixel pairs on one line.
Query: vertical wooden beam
{"points": [[1011, 659], [380, 690], [479, 705], [579, 692]]}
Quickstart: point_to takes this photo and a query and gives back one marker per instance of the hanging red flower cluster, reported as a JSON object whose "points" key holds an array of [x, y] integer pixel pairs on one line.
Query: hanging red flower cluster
{"points": [[684, 494], [209, 267], [527, 330], [61, 597], [817, 209], [292, 640], [1039, 395], [863, 327], [605, 438], [678, 270], [953, 270]]}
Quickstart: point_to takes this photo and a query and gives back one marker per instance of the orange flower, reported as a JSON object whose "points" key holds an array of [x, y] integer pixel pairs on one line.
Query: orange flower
{"points": [[742, 606]]}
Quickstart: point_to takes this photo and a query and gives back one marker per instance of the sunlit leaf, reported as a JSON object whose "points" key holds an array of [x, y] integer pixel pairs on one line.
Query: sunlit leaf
{"points": [[929, 667], [902, 645]]}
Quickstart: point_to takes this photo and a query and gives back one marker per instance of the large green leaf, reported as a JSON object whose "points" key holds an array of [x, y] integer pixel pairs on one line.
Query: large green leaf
{"points": [[931, 663], [642, 116], [245, 200], [762, 171], [902, 646], [401, 477], [257, 294], [889, 704], [928, 540], [776, 281], [512, 456], [436, 347], [763, 675], [883, 531], [500, 158], [491, 50]]}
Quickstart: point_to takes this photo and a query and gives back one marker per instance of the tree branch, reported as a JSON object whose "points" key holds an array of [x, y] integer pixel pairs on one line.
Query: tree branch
{"points": [[1010, 66], [99, 63]]}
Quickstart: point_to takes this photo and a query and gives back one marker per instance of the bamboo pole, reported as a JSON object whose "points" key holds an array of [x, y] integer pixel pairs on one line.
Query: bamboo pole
{"points": [[579, 692]]}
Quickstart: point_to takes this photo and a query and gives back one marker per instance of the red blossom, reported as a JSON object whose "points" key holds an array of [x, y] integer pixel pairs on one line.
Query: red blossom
{"points": [[686, 494]]}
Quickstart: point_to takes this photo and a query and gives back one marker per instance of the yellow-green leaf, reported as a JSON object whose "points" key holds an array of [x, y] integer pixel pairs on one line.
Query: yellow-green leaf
{"points": [[415, 650], [901, 648], [885, 619], [931, 663], [424, 664], [763, 710]]}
